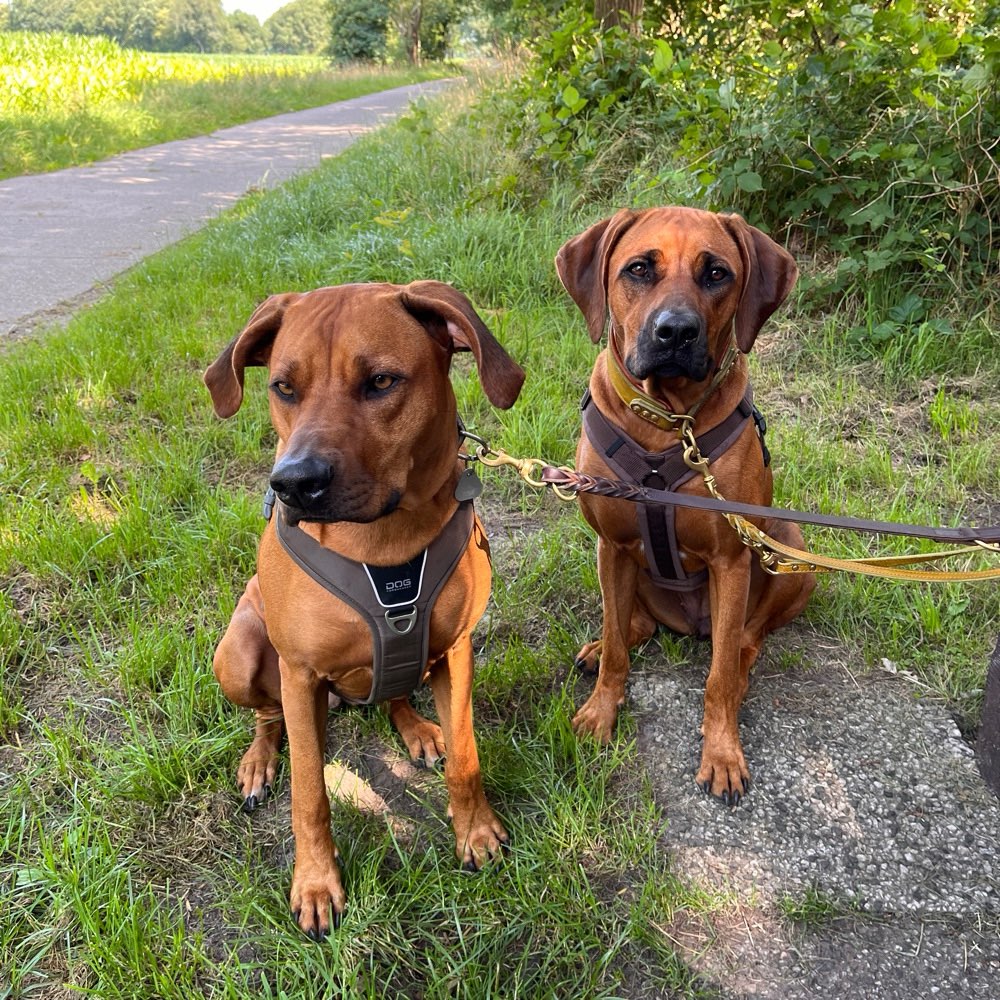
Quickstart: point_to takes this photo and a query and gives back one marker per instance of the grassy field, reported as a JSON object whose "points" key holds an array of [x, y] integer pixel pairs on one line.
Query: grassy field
{"points": [[68, 99], [128, 529]]}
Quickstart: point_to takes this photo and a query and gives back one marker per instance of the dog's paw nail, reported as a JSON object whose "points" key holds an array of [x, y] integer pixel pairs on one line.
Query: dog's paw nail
{"points": [[337, 918], [706, 787], [420, 762], [250, 803], [746, 785], [725, 798], [470, 866], [315, 935]]}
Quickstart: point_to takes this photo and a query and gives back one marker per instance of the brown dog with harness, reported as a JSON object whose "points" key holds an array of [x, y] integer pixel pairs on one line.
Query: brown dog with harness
{"points": [[683, 294], [372, 561]]}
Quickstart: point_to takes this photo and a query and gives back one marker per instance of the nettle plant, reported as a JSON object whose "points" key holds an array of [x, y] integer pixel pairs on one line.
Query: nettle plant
{"points": [[874, 133]]}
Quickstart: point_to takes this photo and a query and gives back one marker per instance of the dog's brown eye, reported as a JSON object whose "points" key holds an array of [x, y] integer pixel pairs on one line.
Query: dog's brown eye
{"points": [[381, 382], [717, 274], [283, 388], [639, 269]]}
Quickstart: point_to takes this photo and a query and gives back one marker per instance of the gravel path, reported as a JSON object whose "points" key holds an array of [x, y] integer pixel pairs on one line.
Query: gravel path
{"points": [[867, 809]]}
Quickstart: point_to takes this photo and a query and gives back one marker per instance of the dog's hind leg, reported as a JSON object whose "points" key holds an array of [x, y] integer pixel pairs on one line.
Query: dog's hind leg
{"points": [[246, 666], [424, 740]]}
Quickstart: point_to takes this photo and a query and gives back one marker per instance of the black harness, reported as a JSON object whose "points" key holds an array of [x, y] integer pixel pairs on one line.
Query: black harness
{"points": [[395, 602], [666, 470]]}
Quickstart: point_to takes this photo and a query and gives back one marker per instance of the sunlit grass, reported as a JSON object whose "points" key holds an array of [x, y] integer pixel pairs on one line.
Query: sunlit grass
{"points": [[66, 100]]}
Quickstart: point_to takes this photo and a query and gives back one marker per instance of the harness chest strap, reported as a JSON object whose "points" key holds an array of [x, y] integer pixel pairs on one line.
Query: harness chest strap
{"points": [[395, 601], [666, 470]]}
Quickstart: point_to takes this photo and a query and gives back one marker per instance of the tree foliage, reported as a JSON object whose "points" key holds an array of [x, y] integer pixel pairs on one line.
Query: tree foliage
{"points": [[358, 30], [422, 28], [176, 25], [301, 27]]}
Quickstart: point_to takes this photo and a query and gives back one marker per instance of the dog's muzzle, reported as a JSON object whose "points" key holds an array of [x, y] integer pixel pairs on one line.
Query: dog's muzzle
{"points": [[672, 343], [312, 489]]}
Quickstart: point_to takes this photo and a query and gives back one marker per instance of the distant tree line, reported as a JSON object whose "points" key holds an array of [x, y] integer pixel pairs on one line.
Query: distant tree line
{"points": [[299, 27], [345, 30]]}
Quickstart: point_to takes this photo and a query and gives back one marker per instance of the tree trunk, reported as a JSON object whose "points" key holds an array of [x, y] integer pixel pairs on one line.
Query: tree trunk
{"points": [[623, 13], [413, 32]]}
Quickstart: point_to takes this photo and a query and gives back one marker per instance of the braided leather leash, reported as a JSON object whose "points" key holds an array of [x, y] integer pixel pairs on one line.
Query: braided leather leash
{"points": [[776, 556]]}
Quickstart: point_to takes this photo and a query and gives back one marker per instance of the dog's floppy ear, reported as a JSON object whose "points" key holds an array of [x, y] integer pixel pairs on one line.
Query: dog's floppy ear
{"points": [[582, 265], [446, 312], [769, 275], [252, 346]]}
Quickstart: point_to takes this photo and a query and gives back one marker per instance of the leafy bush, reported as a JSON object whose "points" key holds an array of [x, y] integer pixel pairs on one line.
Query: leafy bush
{"points": [[870, 132]]}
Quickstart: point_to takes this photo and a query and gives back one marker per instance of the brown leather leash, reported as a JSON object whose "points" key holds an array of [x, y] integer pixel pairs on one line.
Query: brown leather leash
{"points": [[576, 482]]}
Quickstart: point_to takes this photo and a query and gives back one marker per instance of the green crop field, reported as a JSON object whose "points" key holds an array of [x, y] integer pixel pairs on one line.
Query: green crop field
{"points": [[69, 99]]}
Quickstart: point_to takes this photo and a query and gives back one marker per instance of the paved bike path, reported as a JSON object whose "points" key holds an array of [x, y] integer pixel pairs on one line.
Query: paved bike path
{"points": [[63, 235]]}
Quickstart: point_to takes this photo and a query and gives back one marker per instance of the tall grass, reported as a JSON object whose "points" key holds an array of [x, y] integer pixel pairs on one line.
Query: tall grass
{"points": [[71, 99]]}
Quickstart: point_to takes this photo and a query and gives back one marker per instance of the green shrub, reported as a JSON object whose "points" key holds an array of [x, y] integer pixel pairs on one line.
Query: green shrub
{"points": [[832, 125]]}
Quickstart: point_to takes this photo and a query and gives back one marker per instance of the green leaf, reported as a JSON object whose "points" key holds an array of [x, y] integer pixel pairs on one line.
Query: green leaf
{"points": [[572, 100], [750, 181], [663, 56], [976, 77]]}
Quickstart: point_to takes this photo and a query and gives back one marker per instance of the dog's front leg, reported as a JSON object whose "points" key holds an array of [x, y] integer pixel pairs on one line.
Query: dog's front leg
{"points": [[479, 835], [618, 574], [724, 770], [317, 896]]}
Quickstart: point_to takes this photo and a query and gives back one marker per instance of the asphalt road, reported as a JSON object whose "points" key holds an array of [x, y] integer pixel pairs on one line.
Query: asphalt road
{"points": [[64, 235]]}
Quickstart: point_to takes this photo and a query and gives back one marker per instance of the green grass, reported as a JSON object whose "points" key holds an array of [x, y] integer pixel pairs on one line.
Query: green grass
{"points": [[128, 528], [67, 100]]}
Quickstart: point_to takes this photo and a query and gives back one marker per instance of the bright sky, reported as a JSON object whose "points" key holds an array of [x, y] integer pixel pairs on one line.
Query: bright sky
{"points": [[261, 9]]}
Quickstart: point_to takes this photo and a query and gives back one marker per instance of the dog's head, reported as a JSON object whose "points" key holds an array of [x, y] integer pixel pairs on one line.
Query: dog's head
{"points": [[359, 392], [673, 280]]}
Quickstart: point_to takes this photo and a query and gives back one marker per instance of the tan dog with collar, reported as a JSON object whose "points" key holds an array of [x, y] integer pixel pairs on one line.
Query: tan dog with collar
{"points": [[367, 461], [679, 286]]}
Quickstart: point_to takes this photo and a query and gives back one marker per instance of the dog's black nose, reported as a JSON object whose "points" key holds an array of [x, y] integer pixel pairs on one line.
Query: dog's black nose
{"points": [[676, 327], [300, 482]]}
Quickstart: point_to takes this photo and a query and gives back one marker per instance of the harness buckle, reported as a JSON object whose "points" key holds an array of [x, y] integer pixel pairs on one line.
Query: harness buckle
{"points": [[401, 621]]}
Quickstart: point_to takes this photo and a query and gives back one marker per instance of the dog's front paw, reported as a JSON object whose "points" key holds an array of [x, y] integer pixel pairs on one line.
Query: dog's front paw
{"points": [[597, 717], [479, 838], [318, 900], [724, 774]]}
